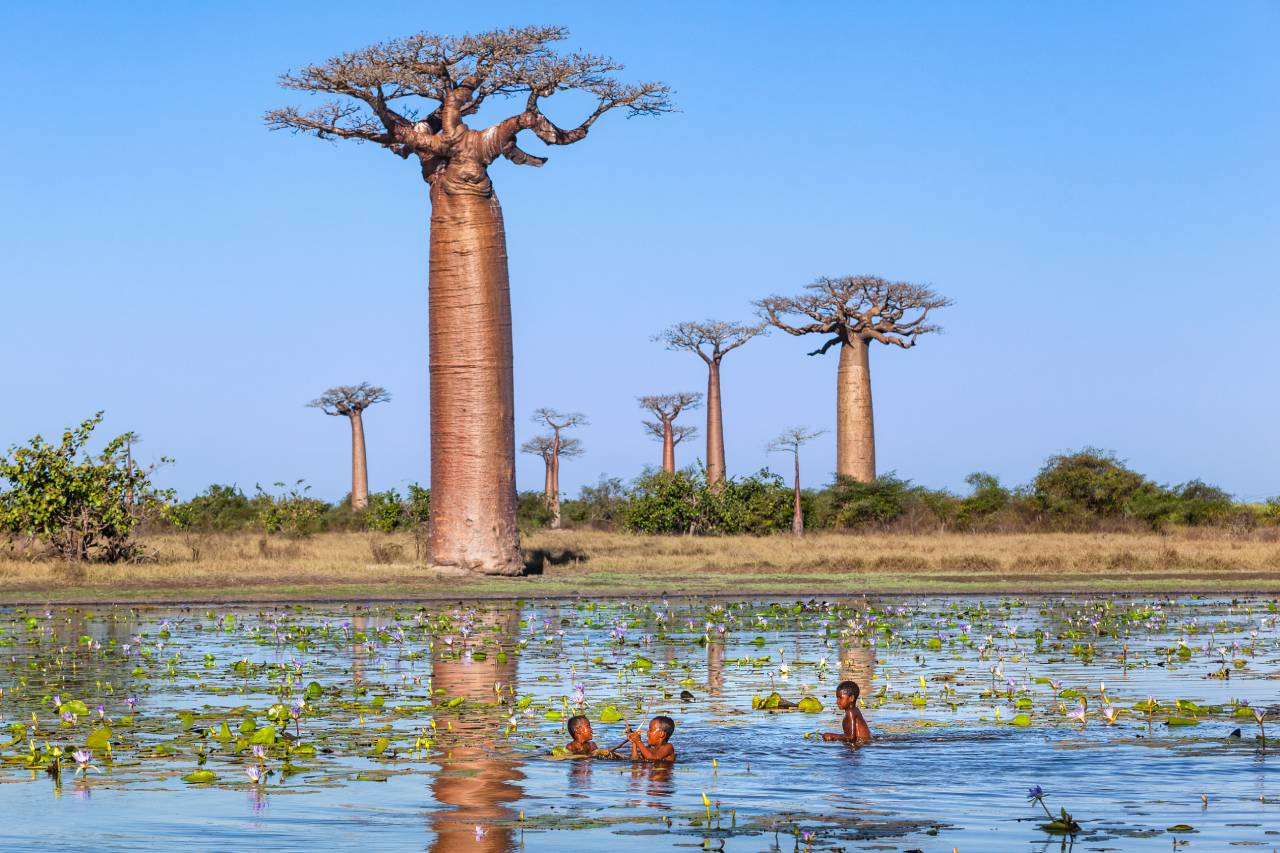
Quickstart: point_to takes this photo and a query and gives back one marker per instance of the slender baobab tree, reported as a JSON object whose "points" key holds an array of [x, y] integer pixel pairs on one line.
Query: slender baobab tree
{"points": [[856, 310], [790, 442], [711, 340], [558, 422], [552, 449], [666, 408], [350, 401], [413, 96]]}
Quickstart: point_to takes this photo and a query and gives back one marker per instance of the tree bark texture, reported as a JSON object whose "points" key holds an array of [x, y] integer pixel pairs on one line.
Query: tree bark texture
{"points": [[715, 426], [473, 490], [553, 494], [668, 447], [359, 464], [855, 424]]}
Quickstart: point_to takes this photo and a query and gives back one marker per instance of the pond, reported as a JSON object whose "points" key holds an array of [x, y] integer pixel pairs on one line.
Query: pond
{"points": [[432, 725]]}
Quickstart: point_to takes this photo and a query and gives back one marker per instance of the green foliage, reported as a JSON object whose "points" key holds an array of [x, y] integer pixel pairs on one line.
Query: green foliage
{"points": [[222, 508], [599, 506], [684, 502], [290, 512], [1089, 482], [385, 511], [1192, 503], [857, 504], [532, 511], [81, 506], [418, 507], [987, 498]]}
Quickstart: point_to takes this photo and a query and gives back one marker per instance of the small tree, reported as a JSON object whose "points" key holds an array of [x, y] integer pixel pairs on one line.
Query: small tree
{"points": [[552, 450], [350, 401], [856, 310], [666, 408], [711, 341], [790, 442], [557, 422], [83, 507]]}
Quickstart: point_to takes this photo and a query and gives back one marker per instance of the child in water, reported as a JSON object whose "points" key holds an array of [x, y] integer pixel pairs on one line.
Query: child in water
{"points": [[854, 725], [658, 748], [580, 730]]}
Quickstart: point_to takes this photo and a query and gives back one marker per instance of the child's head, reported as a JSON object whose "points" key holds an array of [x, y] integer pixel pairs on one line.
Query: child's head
{"points": [[580, 728], [660, 729], [847, 695]]}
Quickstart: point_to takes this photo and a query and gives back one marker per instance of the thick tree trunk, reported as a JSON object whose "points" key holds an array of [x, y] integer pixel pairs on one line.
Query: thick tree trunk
{"points": [[797, 514], [359, 465], [473, 489], [668, 448], [855, 425], [715, 426]]}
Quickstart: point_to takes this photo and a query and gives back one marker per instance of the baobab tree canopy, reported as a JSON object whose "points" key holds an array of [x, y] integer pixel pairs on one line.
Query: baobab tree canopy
{"points": [[858, 307], [856, 310], [349, 399], [666, 408], [412, 95]]}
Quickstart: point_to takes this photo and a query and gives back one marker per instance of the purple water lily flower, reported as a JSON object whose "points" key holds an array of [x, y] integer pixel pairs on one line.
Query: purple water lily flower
{"points": [[131, 701], [1034, 793], [254, 773]]}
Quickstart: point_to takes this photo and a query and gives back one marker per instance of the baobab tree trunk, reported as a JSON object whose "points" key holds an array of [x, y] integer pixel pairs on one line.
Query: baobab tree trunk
{"points": [[855, 425], [553, 496], [668, 447], [797, 514], [715, 426], [473, 489], [359, 464]]}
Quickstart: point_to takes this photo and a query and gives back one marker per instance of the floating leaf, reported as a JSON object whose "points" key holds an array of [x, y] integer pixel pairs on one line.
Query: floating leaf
{"points": [[264, 736], [99, 739], [1021, 720], [809, 705], [610, 714], [200, 776]]}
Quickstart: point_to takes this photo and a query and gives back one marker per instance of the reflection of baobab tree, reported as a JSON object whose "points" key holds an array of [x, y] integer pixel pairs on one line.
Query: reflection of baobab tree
{"points": [[857, 662], [473, 778], [715, 669]]}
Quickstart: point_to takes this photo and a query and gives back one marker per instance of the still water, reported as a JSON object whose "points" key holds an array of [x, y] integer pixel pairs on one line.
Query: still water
{"points": [[431, 726]]}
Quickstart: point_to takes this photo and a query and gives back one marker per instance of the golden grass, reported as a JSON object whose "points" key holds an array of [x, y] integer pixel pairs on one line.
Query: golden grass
{"points": [[343, 565]]}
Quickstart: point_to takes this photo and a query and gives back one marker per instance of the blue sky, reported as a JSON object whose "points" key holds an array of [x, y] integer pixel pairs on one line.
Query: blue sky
{"points": [[1094, 184]]}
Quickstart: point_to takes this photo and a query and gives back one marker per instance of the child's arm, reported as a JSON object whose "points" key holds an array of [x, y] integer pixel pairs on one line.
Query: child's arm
{"points": [[861, 731]]}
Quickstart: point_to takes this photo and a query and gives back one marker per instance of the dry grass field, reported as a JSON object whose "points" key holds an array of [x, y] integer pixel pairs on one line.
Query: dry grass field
{"points": [[252, 567]]}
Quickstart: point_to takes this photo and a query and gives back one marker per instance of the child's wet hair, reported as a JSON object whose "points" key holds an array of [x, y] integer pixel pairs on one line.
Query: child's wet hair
{"points": [[667, 725], [574, 723], [848, 688]]}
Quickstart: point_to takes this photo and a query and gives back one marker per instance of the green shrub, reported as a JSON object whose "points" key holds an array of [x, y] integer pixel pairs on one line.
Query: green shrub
{"points": [[81, 506], [385, 511], [222, 508], [532, 512], [600, 506], [857, 504], [418, 507], [1088, 482], [291, 512], [661, 502]]}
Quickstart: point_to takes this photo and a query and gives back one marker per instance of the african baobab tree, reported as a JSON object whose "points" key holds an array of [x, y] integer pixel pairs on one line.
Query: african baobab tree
{"points": [[350, 401], [412, 96], [791, 441], [552, 448], [856, 310], [666, 408], [711, 340]]}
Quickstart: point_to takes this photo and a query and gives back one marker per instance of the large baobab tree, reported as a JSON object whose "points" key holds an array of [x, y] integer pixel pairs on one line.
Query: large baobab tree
{"points": [[350, 401], [666, 408], [414, 96], [711, 340], [854, 311], [552, 448], [790, 442]]}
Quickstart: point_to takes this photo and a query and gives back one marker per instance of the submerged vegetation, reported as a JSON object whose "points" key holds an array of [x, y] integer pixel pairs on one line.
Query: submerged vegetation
{"points": [[294, 700]]}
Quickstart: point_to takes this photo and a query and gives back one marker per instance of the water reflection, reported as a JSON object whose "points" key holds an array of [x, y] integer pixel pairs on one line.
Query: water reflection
{"points": [[474, 780]]}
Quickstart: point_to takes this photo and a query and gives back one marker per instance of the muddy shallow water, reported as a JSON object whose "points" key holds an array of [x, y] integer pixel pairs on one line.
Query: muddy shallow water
{"points": [[406, 726]]}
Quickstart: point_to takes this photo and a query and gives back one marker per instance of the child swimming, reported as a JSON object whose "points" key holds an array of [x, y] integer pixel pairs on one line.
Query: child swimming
{"points": [[580, 730], [658, 748], [854, 725]]}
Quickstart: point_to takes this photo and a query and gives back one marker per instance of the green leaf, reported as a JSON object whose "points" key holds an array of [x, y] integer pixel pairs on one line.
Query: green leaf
{"points": [[610, 714], [809, 705], [1021, 720], [264, 736], [200, 777], [380, 746], [99, 739]]}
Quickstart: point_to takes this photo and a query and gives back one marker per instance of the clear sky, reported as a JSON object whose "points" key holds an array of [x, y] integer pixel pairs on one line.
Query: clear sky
{"points": [[1095, 184]]}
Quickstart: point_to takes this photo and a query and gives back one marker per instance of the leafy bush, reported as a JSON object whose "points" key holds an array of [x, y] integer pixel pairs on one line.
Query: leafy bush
{"points": [[291, 512], [418, 507], [82, 507], [532, 511], [661, 502], [221, 508], [1192, 503], [858, 504], [599, 506], [1089, 482], [385, 511], [684, 502]]}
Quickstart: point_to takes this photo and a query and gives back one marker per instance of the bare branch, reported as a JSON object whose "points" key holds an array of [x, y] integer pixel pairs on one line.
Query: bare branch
{"points": [[559, 420], [790, 441], [858, 307], [678, 433], [710, 339], [667, 407], [350, 400]]}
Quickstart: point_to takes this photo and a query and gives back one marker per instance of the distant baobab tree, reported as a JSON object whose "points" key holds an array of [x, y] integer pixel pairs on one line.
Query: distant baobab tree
{"points": [[559, 447], [412, 96], [350, 401], [790, 442], [666, 408], [546, 447], [856, 310], [711, 340]]}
